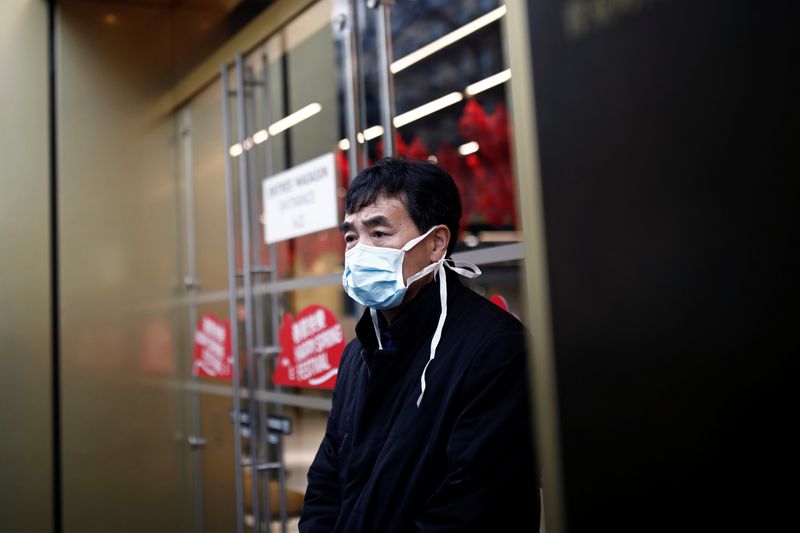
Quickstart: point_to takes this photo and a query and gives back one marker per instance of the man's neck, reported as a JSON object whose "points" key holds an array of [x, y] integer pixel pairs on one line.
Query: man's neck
{"points": [[411, 293]]}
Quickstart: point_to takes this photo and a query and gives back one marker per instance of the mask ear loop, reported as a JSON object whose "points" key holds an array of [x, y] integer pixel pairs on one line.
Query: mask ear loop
{"points": [[374, 314], [433, 267], [416, 240], [437, 336]]}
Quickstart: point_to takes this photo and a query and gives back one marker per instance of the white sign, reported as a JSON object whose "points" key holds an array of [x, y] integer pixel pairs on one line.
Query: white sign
{"points": [[300, 200]]}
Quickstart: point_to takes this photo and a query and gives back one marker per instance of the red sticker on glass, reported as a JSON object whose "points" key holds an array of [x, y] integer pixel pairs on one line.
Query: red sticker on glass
{"points": [[311, 348], [500, 302], [212, 348]]}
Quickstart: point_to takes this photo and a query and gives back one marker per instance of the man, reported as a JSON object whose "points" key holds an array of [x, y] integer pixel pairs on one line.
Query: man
{"points": [[430, 424]]}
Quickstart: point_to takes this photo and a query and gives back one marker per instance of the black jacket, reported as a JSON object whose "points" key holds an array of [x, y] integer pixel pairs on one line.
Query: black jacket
{"points": [[462, 460]]}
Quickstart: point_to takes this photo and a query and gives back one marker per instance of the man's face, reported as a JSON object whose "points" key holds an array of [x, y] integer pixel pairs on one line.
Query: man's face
{"points": [[386, 223]]}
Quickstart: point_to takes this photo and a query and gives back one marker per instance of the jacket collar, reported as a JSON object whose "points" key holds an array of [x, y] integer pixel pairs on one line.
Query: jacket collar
{"points": [[415, 323]]}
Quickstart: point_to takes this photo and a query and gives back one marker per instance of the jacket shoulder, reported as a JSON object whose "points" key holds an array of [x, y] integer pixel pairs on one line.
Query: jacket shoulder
{"points": [[484, 317], [487, 337]]}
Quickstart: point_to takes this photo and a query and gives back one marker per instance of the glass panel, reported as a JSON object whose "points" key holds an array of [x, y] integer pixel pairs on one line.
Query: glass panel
{"points": [[293, 70], [210, 232], [462, 80], [208, 165], [126, 462], [217, 456], [301, 447], [301, 66], [219, 502]]}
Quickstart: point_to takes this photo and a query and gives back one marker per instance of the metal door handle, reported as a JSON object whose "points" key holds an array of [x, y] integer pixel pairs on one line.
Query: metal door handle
{"points": [[196, 442]]}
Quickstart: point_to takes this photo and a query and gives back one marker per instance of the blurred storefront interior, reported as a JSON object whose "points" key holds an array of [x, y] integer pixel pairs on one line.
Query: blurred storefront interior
{"points": [[143, 132], [633, 211]]}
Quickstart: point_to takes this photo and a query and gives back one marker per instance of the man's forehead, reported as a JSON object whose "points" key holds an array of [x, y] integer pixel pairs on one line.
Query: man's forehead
{"points": [[384, 207]]}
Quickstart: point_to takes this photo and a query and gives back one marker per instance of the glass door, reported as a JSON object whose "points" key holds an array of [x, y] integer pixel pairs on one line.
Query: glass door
{"points": [[450, 105], [331, 83]]}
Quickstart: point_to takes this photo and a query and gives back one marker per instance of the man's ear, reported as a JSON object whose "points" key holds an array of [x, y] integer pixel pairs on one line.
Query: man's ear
{"points": [[441, 239]]}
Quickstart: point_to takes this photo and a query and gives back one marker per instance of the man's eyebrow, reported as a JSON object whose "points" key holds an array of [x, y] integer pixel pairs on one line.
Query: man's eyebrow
{"points": [[377, 220], [371, 222]]}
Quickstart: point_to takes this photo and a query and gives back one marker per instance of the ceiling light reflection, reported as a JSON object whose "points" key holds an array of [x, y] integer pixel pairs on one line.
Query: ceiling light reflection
{"points": [[373, 132], [468, 148], [447, 40], [295, 118], [488, 83], [426, 109]]}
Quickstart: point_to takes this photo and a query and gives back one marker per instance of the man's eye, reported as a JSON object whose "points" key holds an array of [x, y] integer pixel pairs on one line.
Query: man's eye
{"points": [[349, 238], [378, 234]]}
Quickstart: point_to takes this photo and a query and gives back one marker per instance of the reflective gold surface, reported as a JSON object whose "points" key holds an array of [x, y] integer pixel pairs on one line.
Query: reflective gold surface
{"points": [[25, 307], [209, 189], [126, 464]]}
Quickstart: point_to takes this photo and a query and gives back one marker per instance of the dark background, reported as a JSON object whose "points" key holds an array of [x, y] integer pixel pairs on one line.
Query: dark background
{"points": [[669, 159]]}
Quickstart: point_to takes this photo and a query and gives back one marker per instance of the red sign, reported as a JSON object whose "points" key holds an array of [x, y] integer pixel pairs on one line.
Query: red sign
{"points": [[311, 347], [500, 302], [212, 348]]}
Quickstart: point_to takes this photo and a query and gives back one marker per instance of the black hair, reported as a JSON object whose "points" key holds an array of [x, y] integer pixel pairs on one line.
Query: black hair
{"points": [[428, 192]]}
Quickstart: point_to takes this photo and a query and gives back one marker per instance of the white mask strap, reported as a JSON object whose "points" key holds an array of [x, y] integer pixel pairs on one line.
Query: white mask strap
{"points": [[462, 268], [416, 240], [424, 272], [437, 336], [428, 269], [377, 327]]}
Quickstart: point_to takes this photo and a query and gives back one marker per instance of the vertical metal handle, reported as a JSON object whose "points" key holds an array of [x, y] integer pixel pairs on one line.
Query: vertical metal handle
{"points": [[232, 301], [345, 27], [385, 76], [196, 441], [274, 317], [263, 448], [244, 211]]}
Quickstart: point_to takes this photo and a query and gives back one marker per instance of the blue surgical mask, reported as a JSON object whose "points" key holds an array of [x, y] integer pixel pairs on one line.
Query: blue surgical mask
{"points": [[373, 275]]}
